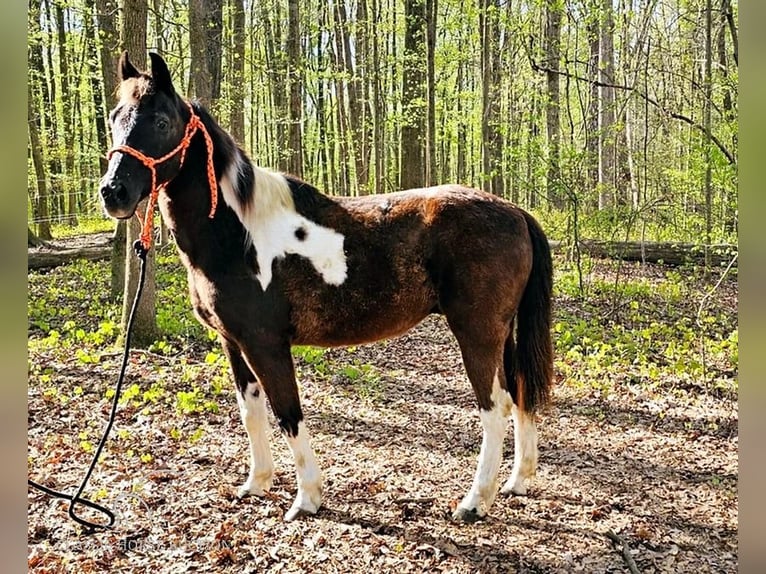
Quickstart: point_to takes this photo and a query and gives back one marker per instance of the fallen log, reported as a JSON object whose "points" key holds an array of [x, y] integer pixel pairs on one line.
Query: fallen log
{"points": [[44, 259], [668, 253]]}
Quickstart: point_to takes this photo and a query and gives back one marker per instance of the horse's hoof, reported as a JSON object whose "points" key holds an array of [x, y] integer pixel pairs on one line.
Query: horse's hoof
{"points": [[466, 515], [516, 490], [245, 491], [297, 512]]}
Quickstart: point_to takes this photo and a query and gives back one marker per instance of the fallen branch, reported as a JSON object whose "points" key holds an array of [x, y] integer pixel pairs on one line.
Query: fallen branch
{"points": [[46, 259], [625, 551], [655, 252]]}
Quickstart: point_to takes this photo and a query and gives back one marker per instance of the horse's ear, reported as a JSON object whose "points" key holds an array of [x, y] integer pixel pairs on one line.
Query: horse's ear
{"points": [[125, 69], [161, 74]]}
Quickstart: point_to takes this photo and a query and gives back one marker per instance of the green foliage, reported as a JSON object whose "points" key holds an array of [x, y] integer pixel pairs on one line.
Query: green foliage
{"points": [[642, 331]]}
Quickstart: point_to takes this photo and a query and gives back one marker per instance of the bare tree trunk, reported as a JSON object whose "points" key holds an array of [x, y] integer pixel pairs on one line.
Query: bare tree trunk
{"points": [[41, 198], [66, 97], [431, 14], [592, 137], [462, 131], [97, 90], [553, 13], [133, 39], [706, 110], [238, 72], [37, 81], [295, 138], [343, 183], [109, 47], [413, 131], [608, 147], [380, 114], [491, 141], [51, 129], [205, 30]]}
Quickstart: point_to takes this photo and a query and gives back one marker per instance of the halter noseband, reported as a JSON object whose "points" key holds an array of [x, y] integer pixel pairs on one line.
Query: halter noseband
{"points": [[195, 123]]}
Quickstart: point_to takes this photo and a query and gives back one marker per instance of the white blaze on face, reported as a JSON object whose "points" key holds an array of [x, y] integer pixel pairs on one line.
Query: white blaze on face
{"points": [[276, 229]]}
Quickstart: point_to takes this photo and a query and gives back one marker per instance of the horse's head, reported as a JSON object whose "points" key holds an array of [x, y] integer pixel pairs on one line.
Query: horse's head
{"points": [[149, 119]]}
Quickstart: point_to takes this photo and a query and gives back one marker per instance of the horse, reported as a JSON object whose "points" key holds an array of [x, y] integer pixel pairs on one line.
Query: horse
{"points": [[272, 262]]}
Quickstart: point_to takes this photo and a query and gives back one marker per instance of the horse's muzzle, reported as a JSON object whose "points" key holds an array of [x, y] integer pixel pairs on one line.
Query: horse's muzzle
{"points": [[116, 199]]}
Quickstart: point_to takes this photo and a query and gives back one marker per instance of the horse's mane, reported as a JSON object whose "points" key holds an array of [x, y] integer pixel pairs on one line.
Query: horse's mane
{"points": [[255, 194]]}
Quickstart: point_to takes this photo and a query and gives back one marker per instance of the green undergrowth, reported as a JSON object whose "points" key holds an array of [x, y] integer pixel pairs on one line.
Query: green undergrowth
{"points": [[675, 328], [656, 327]]}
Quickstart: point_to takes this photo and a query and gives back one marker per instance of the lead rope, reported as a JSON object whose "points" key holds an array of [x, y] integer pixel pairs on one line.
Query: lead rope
{"points": [[76, 498]]}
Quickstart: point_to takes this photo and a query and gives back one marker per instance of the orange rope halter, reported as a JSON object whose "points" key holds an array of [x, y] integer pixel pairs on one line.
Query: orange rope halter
{"points": [[195, 123]]}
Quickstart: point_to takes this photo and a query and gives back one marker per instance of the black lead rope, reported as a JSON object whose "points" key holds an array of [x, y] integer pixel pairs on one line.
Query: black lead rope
{"points": [[76, 498]]}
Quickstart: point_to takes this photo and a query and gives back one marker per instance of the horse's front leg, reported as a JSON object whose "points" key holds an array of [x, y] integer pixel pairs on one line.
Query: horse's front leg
{"points": [[252, 409], [273, 364]]}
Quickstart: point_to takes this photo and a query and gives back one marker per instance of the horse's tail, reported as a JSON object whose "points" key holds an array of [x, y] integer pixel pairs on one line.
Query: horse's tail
{"points": [[529, 363]]}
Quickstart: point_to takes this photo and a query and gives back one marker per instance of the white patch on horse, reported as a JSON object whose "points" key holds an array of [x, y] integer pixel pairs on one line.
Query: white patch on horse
{"points": [[494, 422], [252, 409], [276, 229], [524, 452], [308, 475]]}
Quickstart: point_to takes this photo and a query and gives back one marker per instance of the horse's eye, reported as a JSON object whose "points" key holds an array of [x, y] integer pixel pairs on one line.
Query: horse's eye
{"points": [[162, 124]]}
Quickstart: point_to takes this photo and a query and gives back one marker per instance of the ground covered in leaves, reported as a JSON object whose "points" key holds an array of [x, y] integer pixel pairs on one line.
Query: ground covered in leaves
{"points": [[640, 441]]}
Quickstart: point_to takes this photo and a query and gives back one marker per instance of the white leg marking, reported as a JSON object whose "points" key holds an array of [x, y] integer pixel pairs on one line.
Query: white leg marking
{"points": [[524, 452], [309, 477], [253, 412], [484, 488]]}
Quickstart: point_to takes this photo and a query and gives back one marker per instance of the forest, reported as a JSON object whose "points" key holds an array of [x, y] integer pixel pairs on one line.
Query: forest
{"points": [[614, 122]]}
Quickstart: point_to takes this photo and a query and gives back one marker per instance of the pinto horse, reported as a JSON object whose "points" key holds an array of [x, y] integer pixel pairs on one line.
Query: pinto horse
{"points": [[272, 263]]}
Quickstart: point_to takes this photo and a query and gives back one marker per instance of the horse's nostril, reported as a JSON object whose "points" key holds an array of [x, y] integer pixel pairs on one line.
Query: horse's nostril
{"points": [[114, 190]]}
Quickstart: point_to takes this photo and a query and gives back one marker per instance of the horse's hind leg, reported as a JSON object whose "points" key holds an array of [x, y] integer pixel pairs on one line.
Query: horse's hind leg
{"points": [[483, 360], [275, 370], [252, 409], [524, 452]]}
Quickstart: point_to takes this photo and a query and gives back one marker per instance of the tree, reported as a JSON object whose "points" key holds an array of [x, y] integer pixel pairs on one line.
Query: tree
{"points": [[67, 102], [553, 12], [491, 140], [607, 150], [294, 75], [205, 45], [237, 121], [133, 39], [413, 124], [34, 120]]}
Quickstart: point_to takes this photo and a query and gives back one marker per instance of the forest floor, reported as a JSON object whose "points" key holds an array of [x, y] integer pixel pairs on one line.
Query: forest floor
{"points": [[637, 447]]}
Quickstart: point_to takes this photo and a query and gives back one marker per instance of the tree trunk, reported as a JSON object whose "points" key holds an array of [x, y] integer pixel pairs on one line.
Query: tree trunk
{"points": [[294, 75], [109, 47], [707, 120], [380, 114], [413, 131], [133, 39], [68, 176], [553, 13], [97, 90], [592, 137], [41, 199], [343, 184], [608, 148], [205, 45], [431, 15], [36, 82], [237, 122]]}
